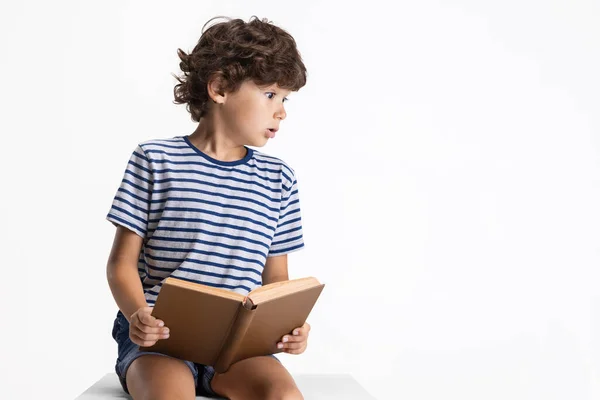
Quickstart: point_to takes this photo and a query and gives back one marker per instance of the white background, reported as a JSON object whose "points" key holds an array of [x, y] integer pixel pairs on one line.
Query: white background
{"points": [[448, 158]]}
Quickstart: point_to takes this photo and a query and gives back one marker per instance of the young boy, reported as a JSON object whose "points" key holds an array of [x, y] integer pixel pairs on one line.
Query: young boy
{"points": [[208, 209]]}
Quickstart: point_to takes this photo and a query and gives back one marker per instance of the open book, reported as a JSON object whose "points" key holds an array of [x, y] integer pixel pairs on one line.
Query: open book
{"points": [[218, 327]]}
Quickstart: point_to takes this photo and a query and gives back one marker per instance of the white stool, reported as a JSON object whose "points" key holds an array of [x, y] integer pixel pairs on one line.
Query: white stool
{"points": [[312, 386]]}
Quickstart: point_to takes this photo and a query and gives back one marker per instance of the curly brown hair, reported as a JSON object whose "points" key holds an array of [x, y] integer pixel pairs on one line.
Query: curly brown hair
{"points": [[236, 51]]}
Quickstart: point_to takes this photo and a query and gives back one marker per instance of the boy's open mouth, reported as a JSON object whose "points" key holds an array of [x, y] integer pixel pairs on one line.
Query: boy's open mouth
{"points": [[271, 132]]}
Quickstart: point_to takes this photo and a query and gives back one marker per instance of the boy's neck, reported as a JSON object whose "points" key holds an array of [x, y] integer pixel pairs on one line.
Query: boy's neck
{"points": [[211, 140]]}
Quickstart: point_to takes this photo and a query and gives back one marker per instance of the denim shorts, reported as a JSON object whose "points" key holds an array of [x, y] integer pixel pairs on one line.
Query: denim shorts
{"points": [[129, 351]]}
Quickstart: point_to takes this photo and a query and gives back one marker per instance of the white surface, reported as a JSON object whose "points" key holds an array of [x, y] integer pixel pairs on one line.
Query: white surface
{"points": [[448, 157], [312, 386]]}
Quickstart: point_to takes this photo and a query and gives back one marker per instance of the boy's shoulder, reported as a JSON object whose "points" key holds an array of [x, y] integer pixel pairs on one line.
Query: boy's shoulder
{"points": [[272, 160], [170, 141]]}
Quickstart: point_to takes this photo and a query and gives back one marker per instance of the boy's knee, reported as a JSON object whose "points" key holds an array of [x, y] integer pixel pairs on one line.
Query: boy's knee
{"points": [[291, 393]]}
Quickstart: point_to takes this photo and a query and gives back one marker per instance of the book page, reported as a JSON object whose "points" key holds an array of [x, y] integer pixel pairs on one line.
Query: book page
{"points": [[205, 289], [278, 289]]}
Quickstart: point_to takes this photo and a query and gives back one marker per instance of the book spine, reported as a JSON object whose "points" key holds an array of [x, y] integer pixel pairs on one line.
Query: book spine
{"points": [[234, 339]]}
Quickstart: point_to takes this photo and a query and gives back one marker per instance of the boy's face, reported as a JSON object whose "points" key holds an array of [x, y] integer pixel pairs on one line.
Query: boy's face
{"points": [[251, 111]]}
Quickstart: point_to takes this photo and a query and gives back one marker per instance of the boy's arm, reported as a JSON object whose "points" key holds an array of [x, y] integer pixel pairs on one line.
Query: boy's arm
{"points": [[122, 272], [276, 269]]}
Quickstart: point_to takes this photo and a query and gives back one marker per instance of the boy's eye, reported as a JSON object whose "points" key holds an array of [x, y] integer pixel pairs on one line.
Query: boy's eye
{"points": [[274, 94]]}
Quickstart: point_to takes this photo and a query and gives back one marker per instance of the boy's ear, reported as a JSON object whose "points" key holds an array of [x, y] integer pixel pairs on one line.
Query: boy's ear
{"points": [[214, 88]]}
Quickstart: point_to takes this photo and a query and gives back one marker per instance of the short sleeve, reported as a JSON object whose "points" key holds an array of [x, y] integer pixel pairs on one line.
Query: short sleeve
{"points": [[288, 234], [131, 204]]}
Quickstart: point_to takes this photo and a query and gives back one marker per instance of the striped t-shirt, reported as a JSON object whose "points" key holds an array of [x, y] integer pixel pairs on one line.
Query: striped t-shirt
{"points": [[204, 220]]}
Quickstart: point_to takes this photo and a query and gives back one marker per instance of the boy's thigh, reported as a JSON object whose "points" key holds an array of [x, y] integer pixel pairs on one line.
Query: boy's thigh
{"points": [[256, 378], [153, 376]]}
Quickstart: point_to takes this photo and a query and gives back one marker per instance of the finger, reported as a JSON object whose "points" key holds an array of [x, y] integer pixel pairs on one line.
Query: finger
{"points": [[147, 319], [292, 338], [140, 342], [149, 324], [293, 346], [150, 329], [149, 335], [296, 351], [301, 331], [135, 338]]}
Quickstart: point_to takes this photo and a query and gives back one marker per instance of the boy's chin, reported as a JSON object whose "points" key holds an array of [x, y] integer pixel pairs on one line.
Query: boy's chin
{"points": [[258, 142]]}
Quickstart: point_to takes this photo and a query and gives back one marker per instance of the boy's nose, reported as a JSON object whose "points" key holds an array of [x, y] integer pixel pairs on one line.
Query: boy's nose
{"points": [[281, 114]]}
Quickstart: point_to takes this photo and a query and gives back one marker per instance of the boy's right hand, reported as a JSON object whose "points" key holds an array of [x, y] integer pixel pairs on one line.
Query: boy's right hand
{"points": [[144, 329]]}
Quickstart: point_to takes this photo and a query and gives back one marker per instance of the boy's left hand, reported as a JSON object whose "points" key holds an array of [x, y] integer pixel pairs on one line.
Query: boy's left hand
{"points": [[295, 343]]}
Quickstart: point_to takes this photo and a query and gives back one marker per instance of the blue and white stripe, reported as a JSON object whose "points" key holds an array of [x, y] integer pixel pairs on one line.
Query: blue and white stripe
{"points": [[205, 220]]}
